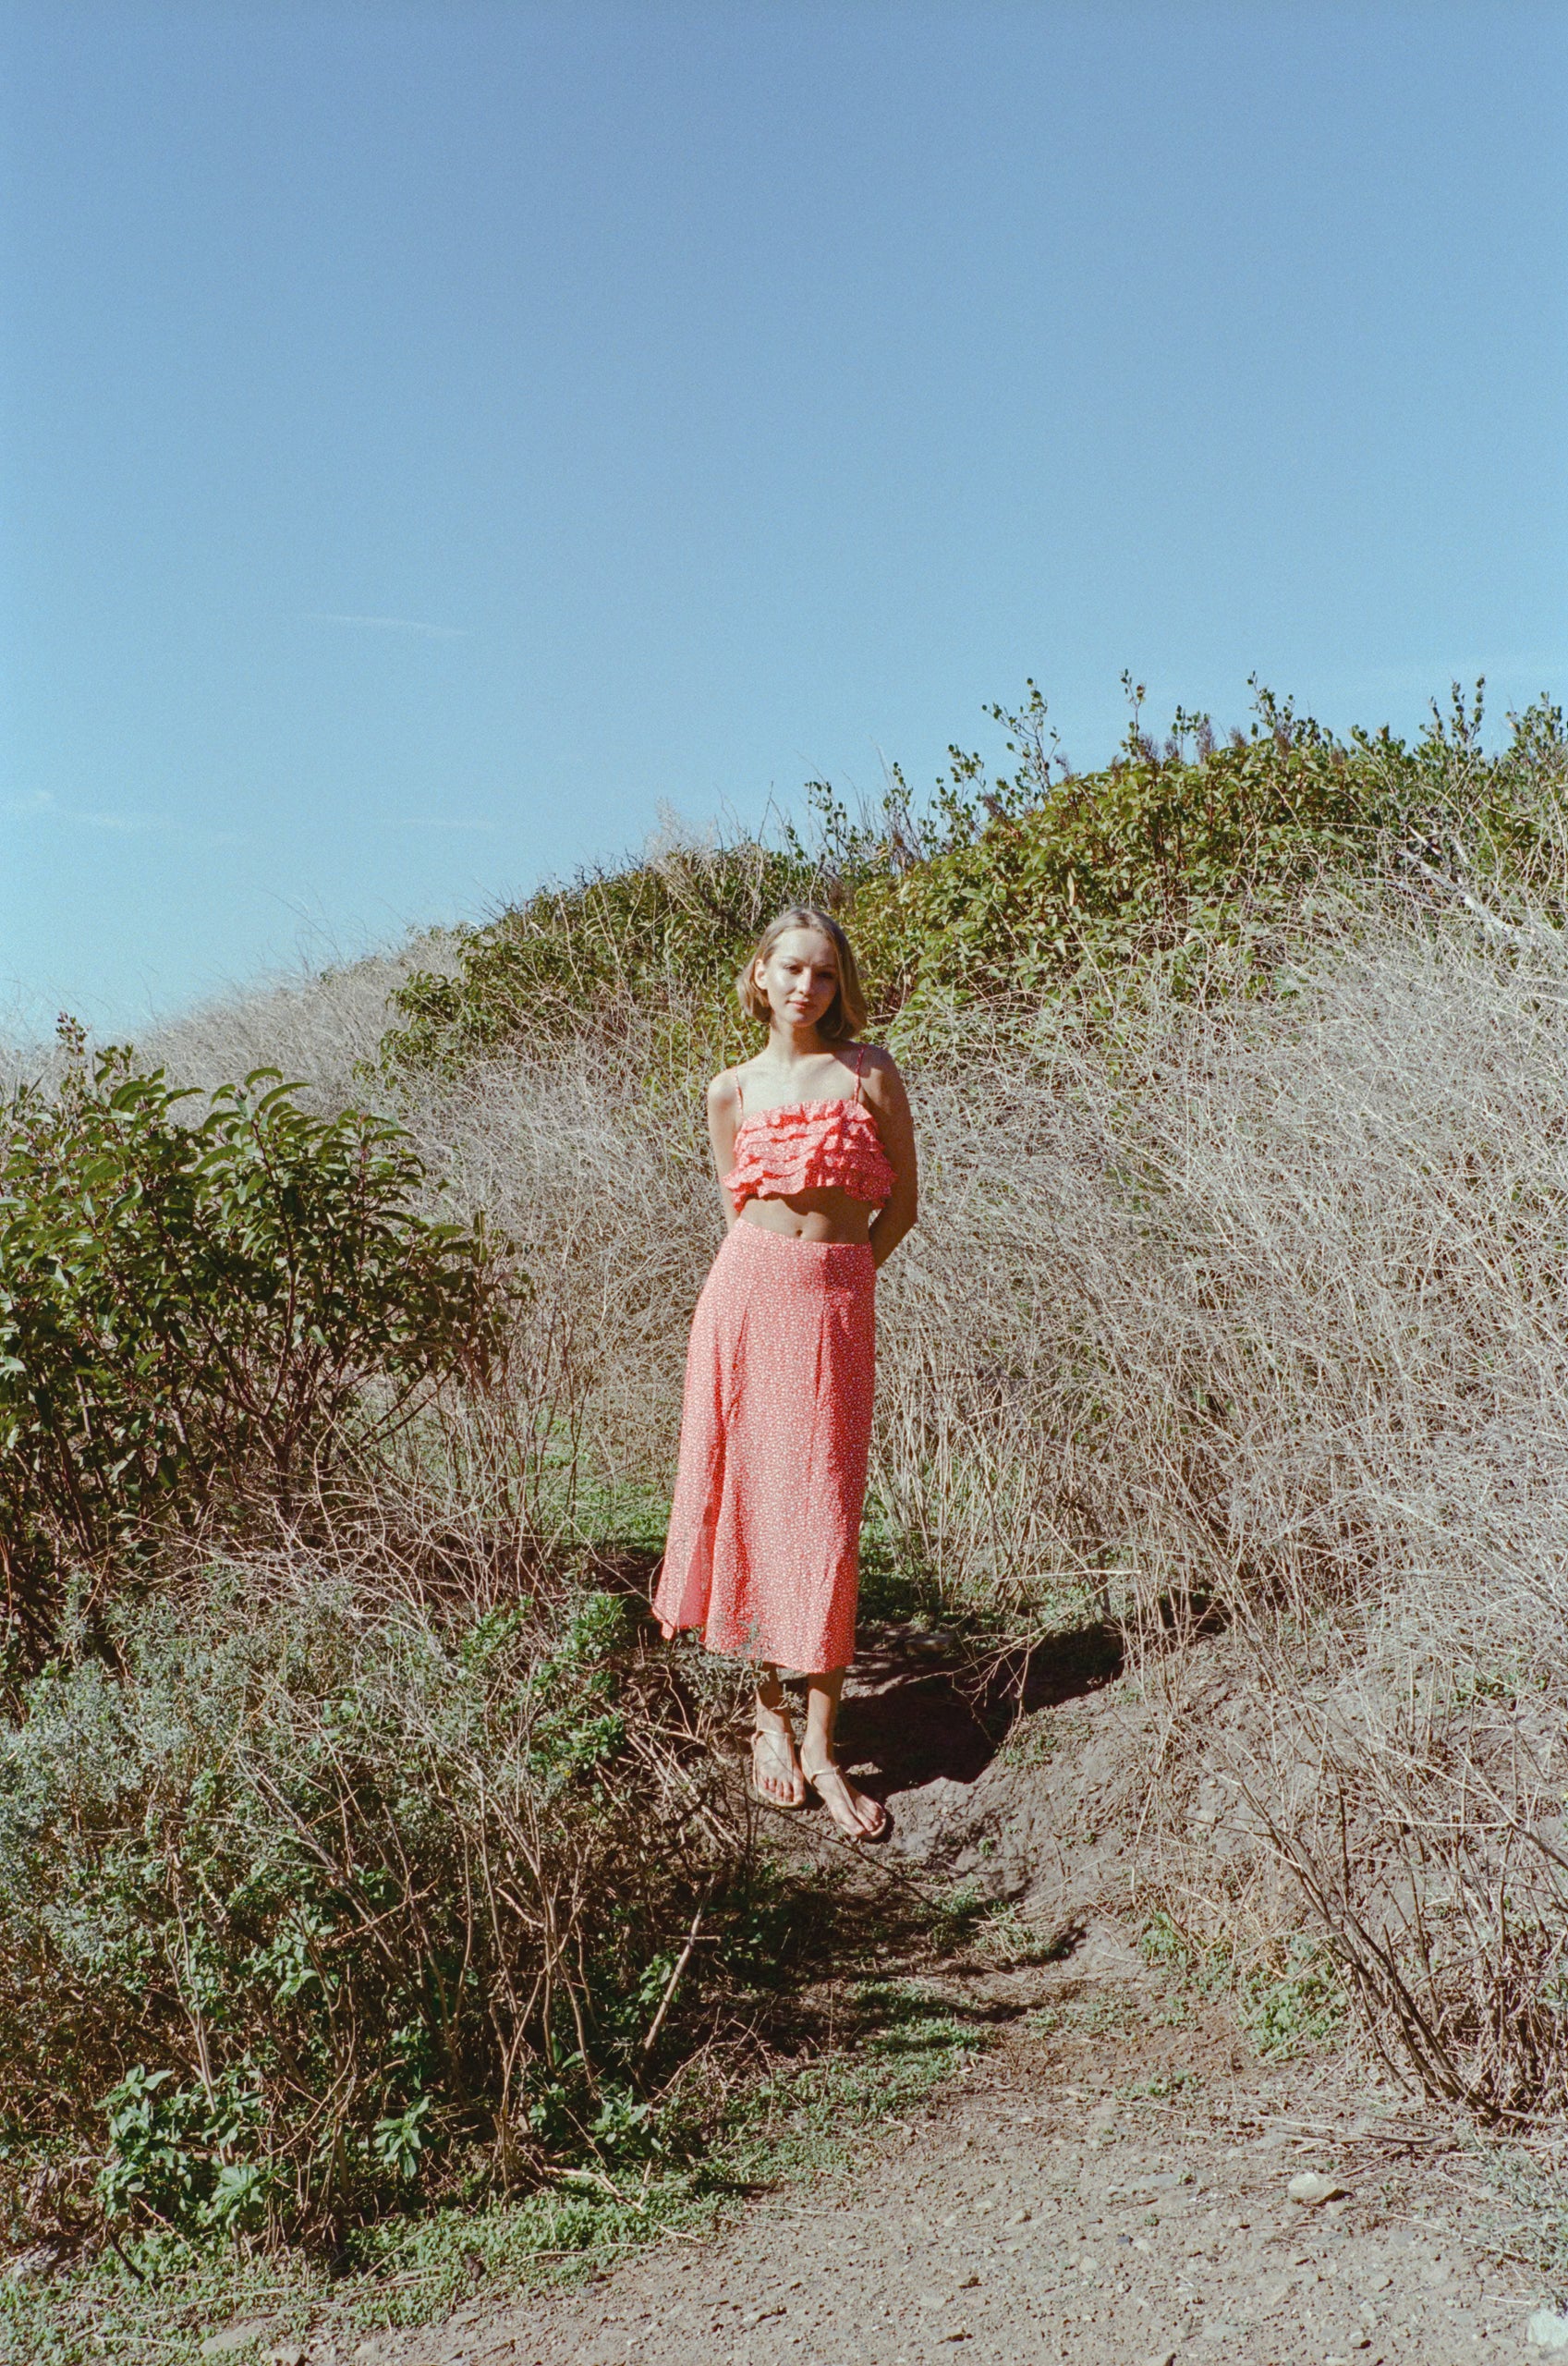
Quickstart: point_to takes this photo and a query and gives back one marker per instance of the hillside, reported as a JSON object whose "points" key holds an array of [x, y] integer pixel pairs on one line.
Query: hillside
{"points": [[352, 1822]]}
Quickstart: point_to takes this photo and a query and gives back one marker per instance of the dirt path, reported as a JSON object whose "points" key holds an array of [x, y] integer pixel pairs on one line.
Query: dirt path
{"points": [[1115, 2191], [1109, 2182]]}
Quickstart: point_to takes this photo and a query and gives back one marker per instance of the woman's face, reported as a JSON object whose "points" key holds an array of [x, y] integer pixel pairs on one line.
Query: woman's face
{"points": [[799, 977]]}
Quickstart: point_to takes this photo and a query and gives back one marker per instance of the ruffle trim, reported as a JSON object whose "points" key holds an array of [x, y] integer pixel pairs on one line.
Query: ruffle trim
{"points": [[810, 1146]]}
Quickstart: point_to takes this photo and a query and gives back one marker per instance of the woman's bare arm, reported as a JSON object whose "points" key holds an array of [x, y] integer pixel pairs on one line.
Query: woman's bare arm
{"points": [[890, 1106], [724, 1120]]}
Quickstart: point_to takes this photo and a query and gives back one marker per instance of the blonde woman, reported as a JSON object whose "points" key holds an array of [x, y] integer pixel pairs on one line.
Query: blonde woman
{"points": [[814, 1149]]}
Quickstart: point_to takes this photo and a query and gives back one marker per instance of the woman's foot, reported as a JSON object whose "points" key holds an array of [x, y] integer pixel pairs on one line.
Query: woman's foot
{"points": [[776, 1777], [856, 1817]]}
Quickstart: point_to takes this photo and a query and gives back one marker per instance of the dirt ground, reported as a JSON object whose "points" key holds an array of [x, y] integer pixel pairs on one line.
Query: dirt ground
{"points": [[1117, 2190], [1109, 2182]]}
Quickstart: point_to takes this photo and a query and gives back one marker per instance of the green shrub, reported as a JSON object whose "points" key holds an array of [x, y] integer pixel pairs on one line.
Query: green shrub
{"points": [[1017, 885], [1195, 856], [192, 1304], [573, 959], [316, 1908]]}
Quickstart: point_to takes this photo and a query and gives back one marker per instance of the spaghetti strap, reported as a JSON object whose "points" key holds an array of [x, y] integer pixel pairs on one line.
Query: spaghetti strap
{"points": [[859, 1062]]}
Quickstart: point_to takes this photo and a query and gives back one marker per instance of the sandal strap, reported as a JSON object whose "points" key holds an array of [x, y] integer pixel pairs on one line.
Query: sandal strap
{"points": [[832, 1766]]}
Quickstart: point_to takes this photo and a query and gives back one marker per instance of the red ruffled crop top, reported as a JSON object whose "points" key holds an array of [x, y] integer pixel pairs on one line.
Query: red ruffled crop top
{"points": [[810, 1146]]}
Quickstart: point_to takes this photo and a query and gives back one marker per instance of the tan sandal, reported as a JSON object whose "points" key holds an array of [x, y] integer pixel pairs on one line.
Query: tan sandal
{"points": [[783, 1743], [844, 1816]]}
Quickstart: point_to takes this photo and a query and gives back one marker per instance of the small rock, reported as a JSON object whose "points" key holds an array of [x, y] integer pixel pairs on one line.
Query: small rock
{"points": [[1161, 2358], [234, 2338], [36, 2262], [288, 2353], [968, 2283], [1313, 2187], [1547, 2330]]}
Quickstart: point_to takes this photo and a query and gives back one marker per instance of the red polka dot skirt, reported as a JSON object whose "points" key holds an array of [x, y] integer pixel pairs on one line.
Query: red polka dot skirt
{"points": [[764, 1544]]}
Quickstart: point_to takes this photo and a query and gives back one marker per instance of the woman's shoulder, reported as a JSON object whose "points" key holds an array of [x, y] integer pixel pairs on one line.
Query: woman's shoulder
{"points": [[725, 1090], [874, 1063]]}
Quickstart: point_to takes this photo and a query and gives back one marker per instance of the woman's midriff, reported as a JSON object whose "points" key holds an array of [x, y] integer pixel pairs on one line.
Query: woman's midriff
{"points": [[813, 1216]]}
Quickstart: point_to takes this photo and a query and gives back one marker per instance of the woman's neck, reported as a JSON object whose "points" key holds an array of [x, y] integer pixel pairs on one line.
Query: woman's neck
{"points": [[791, 1047]]}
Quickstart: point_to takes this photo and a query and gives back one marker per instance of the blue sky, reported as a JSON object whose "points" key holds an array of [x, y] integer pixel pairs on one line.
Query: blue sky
{"points": [[436, 436]]}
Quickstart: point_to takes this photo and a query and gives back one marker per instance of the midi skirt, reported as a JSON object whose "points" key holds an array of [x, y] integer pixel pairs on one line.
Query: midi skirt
{"points": [[764, 1543]]}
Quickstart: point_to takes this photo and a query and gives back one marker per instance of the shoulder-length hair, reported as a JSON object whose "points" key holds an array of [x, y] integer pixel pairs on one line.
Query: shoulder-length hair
{"points": [[846, 1015]]}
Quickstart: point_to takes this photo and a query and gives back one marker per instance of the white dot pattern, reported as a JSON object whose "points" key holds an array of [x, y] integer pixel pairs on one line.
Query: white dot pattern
{"points": [[764, 1541]]}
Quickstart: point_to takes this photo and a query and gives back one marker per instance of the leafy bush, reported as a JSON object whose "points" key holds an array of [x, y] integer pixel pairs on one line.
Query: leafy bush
{"points": [[317, 1905], [192, 1304], [1016, 885], [574, 959]]}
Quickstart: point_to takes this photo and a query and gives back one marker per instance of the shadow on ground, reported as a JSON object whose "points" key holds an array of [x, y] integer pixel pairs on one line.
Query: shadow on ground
{"points": [[916, 1709], [923, 1706]]}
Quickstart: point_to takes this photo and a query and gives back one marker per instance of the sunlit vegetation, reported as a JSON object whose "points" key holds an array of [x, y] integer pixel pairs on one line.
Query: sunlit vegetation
{"points": [[362, 1855]]}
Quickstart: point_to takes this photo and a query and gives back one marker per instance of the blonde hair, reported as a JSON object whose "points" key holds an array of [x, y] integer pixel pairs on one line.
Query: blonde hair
{"points": [[846, 1015]]}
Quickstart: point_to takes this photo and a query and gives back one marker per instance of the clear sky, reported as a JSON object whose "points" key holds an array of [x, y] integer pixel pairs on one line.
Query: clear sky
{"points": [[436, 435]]}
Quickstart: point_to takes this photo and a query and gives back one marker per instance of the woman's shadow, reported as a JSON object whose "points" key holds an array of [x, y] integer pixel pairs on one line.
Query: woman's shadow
{"points": [[918, 1705]]}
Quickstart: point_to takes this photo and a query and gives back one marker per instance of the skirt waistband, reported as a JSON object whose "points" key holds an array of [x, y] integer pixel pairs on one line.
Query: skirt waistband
{"points": [[845, 1257]]}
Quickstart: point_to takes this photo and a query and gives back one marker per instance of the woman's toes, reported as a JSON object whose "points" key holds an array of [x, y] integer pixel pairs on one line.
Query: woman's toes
{"points": [[775, 1775]]}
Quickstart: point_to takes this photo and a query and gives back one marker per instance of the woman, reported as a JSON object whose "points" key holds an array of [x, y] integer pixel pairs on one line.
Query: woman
{"points": [[814, 1153]]}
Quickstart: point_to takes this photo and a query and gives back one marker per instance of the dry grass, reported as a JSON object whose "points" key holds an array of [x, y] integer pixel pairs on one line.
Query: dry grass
{"points": [[318, 1026], [1330, 1409], [1251, 1318]]}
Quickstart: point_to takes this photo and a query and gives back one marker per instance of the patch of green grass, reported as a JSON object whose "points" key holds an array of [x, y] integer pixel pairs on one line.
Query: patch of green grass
{"points": [[1169, 1949], [894, 1585], [894, 2046], [1101, 2014], [1529, 2218], [1158, 2089], [959, 1913], [1003, 1935], [798, 2124], [618, 1519], [1031, 1741], [1303, 2006], [1281, 2010]]}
